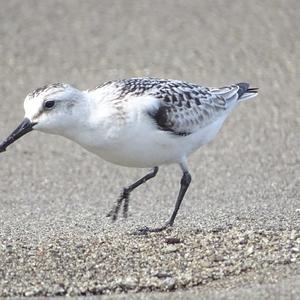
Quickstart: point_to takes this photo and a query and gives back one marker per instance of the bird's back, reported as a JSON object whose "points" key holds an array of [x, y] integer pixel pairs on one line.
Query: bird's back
{"points": [[182, 108]]}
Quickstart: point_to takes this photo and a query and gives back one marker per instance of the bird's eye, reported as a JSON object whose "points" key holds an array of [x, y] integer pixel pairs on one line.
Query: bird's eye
{"points": [[49, 104]]}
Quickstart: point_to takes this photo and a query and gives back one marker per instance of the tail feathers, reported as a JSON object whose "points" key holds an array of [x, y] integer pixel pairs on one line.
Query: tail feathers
{"points": [[245, 92]]}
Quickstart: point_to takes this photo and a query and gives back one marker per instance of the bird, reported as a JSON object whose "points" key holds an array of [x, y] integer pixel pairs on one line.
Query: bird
{"points": [[142, 122]]}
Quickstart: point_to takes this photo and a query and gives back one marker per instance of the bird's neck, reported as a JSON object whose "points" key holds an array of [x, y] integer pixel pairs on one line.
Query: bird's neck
{"points": [[94, 124]]}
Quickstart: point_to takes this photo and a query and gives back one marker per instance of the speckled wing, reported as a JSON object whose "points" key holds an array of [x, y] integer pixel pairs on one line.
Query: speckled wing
{"points": [[185, 107]]}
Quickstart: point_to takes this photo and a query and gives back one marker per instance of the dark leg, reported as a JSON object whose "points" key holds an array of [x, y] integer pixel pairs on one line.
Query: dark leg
{"points": [[125, 195], [184, 184]]}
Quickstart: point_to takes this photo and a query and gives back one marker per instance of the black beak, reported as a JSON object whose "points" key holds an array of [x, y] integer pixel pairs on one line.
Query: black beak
{"points": [[25, 127]]}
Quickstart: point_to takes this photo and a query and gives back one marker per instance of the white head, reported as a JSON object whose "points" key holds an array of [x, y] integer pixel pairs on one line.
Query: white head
{"points": [[54, 108]]}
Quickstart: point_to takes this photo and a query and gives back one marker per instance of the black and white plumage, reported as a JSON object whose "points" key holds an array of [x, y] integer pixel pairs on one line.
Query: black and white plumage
{"points": [[137, 122], [184, 107]]}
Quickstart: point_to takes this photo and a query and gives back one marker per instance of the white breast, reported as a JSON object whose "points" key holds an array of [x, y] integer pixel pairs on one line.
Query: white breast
{"points": [[143, 145], [128, 136]]}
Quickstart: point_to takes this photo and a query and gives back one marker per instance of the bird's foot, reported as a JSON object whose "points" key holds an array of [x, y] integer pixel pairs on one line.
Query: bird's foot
{"points": [[124, 198], [145, 230]]}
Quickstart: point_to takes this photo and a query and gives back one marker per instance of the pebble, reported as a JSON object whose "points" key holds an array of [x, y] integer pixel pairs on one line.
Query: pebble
{"points": [[250, 250], [171, 240], [129, 283], [170, 249], [169, 283], [106, 264]]}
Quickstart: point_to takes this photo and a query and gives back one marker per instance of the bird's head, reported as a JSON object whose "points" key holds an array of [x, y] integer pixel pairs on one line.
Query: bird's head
{"points": [[52, 108]]}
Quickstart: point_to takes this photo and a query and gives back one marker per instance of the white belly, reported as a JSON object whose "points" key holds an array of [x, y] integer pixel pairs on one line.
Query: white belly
{"points": [[150, 147]]}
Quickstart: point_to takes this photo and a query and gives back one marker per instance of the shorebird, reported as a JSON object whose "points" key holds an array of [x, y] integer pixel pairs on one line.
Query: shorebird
{"points": [[137, 122]]}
